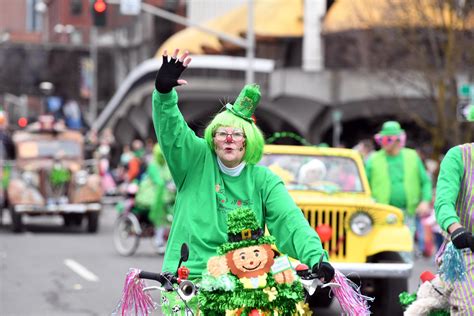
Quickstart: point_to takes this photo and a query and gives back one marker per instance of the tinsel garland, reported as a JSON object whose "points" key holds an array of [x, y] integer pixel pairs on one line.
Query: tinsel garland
{"points": [[286, 300], [59, 176], [225, 248], [292, 135], [406, 298], [223, 282], [453, 268], [134, 300]]}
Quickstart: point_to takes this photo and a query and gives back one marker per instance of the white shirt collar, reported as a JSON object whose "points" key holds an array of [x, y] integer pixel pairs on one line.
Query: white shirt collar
{"points": [[233, 172]]}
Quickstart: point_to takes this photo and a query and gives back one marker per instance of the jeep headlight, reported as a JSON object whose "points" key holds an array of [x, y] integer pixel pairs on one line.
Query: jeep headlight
{"points": [[361, 223], [391, 219], [81, 177]]}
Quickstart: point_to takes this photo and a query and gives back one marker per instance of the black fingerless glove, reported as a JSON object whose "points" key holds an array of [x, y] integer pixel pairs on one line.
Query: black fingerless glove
{"points": [[168, 75], [461, 239], [325, 271]]}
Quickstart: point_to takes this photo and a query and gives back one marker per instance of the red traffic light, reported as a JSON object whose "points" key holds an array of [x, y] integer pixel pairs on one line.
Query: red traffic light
{"points": [[22, 122], [100, 6]]}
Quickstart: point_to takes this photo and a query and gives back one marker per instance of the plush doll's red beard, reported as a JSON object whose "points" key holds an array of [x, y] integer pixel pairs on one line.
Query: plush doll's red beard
{"points": [[250, 262]]}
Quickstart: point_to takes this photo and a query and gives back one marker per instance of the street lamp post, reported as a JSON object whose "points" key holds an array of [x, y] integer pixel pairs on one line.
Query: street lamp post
{"points": [[94, 53]]}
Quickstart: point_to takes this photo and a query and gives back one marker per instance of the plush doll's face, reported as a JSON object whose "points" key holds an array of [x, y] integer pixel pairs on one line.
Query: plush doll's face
{"points": [[250, 261]]}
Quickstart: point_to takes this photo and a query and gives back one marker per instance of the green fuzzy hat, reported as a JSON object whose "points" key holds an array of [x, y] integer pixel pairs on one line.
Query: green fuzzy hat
{"points": [[391, 128], [243, 231], [246, 103]]}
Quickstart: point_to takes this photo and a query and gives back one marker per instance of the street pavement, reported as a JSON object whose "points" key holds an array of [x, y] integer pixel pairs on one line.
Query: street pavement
{"points": [[50, 270]]}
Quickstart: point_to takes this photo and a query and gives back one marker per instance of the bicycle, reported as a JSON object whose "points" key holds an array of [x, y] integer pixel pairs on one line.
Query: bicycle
{"points": [[131, 226], [136, 299]]}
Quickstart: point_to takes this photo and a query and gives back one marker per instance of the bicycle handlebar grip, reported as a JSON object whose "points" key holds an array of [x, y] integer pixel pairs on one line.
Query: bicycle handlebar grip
{"points": [[150, 276]]}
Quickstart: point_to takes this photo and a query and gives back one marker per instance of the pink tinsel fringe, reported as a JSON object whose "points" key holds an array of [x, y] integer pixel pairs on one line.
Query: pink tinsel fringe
{"points": [[134, 301], [348, 294]]}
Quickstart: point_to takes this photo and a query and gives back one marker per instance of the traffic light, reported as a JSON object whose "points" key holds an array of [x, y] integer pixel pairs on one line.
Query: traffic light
{"points": [[99, 12]]}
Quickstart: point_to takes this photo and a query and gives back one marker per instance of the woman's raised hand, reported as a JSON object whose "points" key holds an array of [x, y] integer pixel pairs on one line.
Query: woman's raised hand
{"points": [[171, 70]]}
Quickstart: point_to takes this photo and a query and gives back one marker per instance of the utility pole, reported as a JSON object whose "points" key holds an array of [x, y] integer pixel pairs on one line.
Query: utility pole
{"points": [[250, 47], [94, 82]]}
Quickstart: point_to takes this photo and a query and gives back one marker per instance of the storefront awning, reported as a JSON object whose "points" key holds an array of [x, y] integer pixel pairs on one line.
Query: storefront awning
{"points": [[273, 19], [347, 15]]}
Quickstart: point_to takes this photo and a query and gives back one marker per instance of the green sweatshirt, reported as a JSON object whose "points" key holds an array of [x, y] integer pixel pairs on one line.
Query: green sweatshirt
{"points": [[205, 196], [447, 188]]}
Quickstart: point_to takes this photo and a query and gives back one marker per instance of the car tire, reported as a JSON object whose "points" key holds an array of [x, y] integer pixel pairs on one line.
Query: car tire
{"points": [[93, 222], [16, 219], [72, 220], [320, 299], [387, 291], [126, 237]]}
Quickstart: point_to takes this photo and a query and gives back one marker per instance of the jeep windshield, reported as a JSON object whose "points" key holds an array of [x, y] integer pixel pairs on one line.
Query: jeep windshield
{"points": [[330, 174], [49, 149]]}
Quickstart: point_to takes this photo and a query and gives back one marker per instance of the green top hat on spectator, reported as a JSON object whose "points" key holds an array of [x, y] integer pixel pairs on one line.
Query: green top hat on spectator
{"points": [[391, 128]]}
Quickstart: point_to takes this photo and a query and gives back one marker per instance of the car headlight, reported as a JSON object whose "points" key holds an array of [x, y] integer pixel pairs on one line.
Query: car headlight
{"points": [[81, 177], [391, 219], [361, 223]]}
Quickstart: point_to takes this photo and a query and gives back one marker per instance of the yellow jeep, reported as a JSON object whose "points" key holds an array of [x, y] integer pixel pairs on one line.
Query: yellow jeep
{"points": [[366, 241]]}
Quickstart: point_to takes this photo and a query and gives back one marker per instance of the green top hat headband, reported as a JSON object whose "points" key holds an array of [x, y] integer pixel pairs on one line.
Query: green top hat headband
{"points": [[246, 103], [391, 128], [243, 231]]}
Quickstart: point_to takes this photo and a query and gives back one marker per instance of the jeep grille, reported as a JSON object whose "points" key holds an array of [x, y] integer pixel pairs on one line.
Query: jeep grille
{"points": [[337, 246]]}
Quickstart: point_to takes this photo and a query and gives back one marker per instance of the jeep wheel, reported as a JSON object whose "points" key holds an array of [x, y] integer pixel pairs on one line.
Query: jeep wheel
{"points": [[386, 300], [72, 220], [387, 291], [16, 218], [320, 299], [93, 222]]}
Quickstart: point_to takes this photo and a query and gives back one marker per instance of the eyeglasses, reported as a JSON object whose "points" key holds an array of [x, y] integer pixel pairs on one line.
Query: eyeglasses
{"points": [[387, 140], [236, 136]]}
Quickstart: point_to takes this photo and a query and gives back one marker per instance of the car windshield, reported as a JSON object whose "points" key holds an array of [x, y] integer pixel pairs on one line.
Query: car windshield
{"points": [[49, 149], [329, 174]]}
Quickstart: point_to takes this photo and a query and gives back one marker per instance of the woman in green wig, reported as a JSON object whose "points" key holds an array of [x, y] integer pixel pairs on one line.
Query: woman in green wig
{"points": [[219, 173]]}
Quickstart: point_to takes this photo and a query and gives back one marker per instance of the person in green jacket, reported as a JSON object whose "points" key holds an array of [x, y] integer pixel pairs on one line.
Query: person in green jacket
{"points": [[397, 175], [219, 173], [162, 204]]}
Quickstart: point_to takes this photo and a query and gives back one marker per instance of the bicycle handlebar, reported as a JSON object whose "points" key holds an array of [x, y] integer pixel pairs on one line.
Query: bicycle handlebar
{"points": [[166, 279]]}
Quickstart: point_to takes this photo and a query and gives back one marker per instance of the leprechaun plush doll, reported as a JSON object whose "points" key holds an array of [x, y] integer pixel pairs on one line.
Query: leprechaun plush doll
{"points": [[246, 278]]}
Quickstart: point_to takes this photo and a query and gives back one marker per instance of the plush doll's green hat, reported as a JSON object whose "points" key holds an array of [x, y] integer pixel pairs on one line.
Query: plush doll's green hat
{"points": [[243, 231], [246, 103], [391, 128]]}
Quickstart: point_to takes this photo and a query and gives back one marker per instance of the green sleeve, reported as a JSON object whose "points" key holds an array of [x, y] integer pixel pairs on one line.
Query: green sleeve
{"points": [[178, 142], [447, 188], [426, 184], [288, 225]]}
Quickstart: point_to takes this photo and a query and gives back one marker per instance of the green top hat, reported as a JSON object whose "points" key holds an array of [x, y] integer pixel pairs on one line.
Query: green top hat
{"points": [[470, 113], [243, 231], [391, 128], [246, 103]]}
